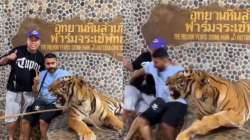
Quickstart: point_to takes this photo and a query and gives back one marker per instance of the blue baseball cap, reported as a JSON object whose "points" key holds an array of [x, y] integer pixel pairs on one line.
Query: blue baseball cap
{"points": [[34, 33], [158, 43]]}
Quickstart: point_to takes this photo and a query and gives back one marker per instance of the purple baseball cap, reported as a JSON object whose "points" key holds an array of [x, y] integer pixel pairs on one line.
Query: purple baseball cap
{"points": [[158, 43], [34, 33]]}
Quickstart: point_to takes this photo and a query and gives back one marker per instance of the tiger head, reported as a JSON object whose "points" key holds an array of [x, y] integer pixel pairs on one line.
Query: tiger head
{"points": [[187, 82], [68, 89]]}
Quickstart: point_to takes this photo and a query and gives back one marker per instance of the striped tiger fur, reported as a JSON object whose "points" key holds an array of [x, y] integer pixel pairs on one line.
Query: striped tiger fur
{"points": [[87, 106], [220, 102]]}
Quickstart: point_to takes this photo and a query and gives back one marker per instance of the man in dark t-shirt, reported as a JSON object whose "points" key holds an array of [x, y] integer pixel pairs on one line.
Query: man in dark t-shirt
{"points": [[25, 62], [144, 56], [134, 101]]}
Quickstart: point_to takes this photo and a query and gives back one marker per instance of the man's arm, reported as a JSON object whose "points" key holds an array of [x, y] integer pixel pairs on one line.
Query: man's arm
{"points": [[128, 65], [35, 89], [36, 84], [137, 74], [137, 63], [4, 61], [8, 58]]}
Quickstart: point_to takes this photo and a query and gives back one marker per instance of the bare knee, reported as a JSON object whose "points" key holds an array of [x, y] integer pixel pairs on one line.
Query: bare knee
{"points": [[128, 114], [11, 130], [25, 125], [25, 122], [43, 123], [142, 121], [169, 131], [167, 126], [43, 129], [25, 130], [128, 117], [12, 125]]}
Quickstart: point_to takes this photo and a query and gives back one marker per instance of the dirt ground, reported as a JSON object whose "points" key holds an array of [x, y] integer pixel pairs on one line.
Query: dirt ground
{"points": [[220, 134]]}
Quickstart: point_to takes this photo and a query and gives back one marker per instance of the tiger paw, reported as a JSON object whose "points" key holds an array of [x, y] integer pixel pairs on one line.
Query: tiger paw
{"points": [[183, 136], [121, 132], [90, 136]]}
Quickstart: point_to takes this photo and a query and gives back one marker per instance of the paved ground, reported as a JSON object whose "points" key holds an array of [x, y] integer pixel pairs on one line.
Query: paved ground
{"points": [[229, 134], [59, 131], [221, 134]]}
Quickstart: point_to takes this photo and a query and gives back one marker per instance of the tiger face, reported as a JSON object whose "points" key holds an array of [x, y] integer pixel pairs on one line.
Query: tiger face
{"points": [[177, 85], [70, 90], [186, 82], [60, 89]]}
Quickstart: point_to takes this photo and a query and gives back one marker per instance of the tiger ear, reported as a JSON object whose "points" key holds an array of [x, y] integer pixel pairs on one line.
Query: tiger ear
{"points": [[205, 78], [187, 73], [81, 79], [204, 81], [190, 68]]}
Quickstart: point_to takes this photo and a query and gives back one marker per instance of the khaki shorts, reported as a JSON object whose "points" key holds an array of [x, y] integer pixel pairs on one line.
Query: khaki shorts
{"points": [[136, 101], [17, 102]]}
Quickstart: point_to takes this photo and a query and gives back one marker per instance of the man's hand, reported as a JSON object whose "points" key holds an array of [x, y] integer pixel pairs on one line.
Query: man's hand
{"points": [[12, 56], [127, 64], [35, 84], [137, 74], [36, 79]]}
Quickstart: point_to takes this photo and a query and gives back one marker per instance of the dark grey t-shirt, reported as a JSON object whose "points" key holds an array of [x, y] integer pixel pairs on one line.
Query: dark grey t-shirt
{"points": [[23, 69]]}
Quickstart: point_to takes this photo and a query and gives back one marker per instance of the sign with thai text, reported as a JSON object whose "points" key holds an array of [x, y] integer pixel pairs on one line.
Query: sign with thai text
{"points": [[76, 35], [205, 24]]}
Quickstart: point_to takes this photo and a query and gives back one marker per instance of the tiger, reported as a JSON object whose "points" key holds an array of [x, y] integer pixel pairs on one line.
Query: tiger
{"points": [[86, 106], [220, 102]]}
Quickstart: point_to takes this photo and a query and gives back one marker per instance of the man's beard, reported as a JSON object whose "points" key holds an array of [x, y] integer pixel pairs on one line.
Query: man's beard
{"points": [[51, 70], [160, 69]]}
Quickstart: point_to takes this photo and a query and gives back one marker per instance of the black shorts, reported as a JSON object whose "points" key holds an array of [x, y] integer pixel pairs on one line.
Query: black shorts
{"points": [[171, 113], [46, 116]]}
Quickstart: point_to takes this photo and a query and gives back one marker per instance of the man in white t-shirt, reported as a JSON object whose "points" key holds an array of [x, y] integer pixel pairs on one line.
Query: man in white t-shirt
{"points": [[164, 109], [140, 92]]}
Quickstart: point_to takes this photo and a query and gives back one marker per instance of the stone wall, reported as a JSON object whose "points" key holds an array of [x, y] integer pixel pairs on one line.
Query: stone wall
{"points": [[103, 71]]}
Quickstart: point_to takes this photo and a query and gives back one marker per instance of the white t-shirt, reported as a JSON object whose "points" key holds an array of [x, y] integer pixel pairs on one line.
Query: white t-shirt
{"points": [[160, 78]]}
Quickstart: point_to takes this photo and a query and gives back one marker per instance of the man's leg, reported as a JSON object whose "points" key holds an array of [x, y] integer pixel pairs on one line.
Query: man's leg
{"points": [[28, 122], [169, 131], [25, 130], [143, 126], [11, 130], [172, 118], [131, 97], [43, 129], [46, 118], [128, 116], [12, 107], [28, 100], [150, 117], [146, 132], [27, 107]]}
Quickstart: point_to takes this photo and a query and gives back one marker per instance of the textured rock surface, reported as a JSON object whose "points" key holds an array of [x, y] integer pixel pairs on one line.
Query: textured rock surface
{"points": [[219, 134]]}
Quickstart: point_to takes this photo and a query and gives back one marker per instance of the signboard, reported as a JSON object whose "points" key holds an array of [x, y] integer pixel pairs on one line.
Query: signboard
{"points": [[76, 35], [206, 24]]}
